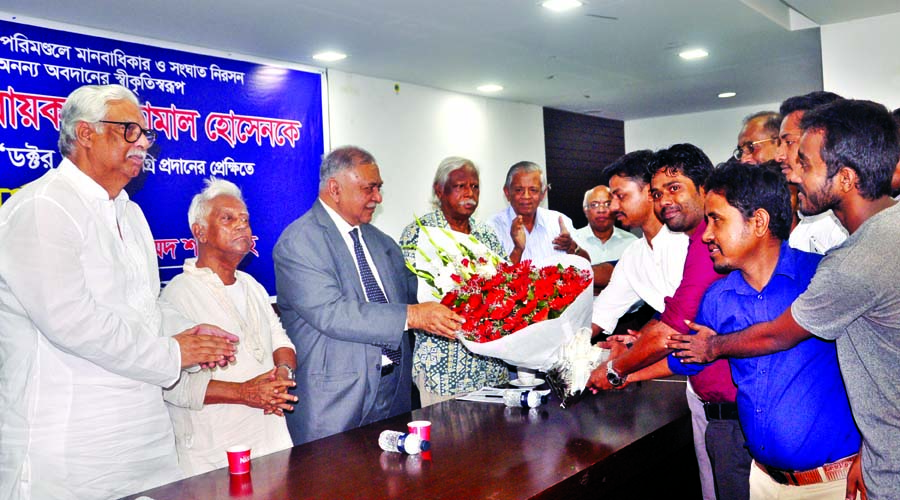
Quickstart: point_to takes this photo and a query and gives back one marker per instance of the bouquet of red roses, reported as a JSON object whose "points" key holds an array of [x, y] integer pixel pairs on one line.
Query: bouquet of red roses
{"points": [[516, 296], [524, 314]]}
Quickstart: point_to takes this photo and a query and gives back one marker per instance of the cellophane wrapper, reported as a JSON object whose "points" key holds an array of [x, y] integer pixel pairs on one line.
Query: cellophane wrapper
{"points": [[538, 346], [569, 375]]}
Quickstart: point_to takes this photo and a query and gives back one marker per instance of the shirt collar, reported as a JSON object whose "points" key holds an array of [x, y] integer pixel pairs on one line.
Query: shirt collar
{"points": [[343, 226], [786, 266], [85, 185]]}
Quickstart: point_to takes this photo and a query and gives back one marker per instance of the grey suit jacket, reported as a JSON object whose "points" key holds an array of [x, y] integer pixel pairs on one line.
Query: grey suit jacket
{"points": [[338, 334]]}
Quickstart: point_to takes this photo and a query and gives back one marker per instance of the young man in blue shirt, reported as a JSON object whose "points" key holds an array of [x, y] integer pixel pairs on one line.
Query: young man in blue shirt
{"points": [[792, 405]]}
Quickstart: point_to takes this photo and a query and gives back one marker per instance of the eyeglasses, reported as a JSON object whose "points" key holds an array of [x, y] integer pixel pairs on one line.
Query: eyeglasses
{"points": [[597, 205], [748, 147], [133, 131]]}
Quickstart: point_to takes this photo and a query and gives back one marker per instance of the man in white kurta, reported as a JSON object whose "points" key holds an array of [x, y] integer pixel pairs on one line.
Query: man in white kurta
{"points": [[82, 351], [204, 432]]}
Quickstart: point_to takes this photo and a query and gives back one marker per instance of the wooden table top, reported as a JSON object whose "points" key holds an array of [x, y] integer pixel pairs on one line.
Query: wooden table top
{"points": [[479, 450]]}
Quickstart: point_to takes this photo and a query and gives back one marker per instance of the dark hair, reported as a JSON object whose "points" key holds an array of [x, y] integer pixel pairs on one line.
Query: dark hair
{"points": [[896, 115], [749, 188], [772, 124], [683, 158], [633, 165], [807, 102], [860, 135]]}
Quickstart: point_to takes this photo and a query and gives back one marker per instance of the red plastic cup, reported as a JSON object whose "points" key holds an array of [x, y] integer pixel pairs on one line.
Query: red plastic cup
{"points": [[238, 459], [421, 428]]}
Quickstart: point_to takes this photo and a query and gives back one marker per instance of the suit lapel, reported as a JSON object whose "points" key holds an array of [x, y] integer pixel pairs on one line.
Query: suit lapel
{"points": [[344, 261]]}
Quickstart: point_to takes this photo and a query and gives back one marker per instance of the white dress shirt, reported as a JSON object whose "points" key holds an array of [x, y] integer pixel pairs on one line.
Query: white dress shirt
{"points": [[601, 251], [817, 233], [203, 433], [642, 273], [82, 355], [539, 242]]}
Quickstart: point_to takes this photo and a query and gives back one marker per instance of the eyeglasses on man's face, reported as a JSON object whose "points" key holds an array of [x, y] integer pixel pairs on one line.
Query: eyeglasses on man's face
{"points": [[133, 131], [748, 147], [598, 205]]}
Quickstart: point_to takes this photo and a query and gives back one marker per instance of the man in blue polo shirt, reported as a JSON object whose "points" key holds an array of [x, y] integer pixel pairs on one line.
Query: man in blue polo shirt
{"points": [[792, 405]]}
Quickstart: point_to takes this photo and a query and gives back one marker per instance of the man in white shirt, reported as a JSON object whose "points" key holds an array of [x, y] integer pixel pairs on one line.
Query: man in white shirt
{"points": [[602, 240], [650, 269], [83, 351], [527, 230], [213, 410], [814, 233]]}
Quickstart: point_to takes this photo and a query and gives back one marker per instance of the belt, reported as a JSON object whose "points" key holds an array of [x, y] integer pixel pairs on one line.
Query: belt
{"points": [[834, 471], [720, 411], [387, 369]]}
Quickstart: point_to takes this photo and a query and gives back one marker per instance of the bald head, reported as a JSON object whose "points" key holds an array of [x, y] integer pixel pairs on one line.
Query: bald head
{"points": [[758, 140], [596, 209]]}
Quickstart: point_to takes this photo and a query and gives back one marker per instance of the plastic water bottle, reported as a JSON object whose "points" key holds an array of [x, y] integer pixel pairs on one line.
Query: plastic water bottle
{"points": [[402, 442], [523, 399]]}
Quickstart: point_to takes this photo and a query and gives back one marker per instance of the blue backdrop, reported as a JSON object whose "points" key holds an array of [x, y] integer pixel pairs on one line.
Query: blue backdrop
{"points": [[258, 126]]}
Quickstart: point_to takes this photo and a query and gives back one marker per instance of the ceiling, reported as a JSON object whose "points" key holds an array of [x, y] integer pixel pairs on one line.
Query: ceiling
{"points": [[611, 58]]}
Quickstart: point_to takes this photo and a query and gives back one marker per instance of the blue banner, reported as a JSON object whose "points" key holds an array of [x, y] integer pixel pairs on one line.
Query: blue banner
{"points": [[256, 125]]}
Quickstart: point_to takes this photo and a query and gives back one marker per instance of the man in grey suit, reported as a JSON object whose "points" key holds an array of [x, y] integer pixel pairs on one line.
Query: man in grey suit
{"points": [[347, 302]]}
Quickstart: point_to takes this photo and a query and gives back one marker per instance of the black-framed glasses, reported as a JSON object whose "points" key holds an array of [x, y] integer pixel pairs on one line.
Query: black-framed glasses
{"points": [[133, 131], [597, 205], [748, 147]]}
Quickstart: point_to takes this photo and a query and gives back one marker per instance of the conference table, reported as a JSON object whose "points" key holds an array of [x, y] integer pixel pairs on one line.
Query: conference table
{"points": [[633, 443]]}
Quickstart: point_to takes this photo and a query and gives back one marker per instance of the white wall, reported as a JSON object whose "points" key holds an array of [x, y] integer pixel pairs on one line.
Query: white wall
{"points": [[409, 132], [861, 59], [715, 132]]}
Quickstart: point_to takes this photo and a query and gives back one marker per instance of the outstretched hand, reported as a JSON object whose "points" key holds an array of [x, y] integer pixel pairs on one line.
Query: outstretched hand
{"points": [[697, 348], [434, 318]]}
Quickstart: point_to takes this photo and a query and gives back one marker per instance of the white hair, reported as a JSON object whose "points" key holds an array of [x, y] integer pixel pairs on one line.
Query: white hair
{"points": [[199, 210], [447, 166], [88, 103]]}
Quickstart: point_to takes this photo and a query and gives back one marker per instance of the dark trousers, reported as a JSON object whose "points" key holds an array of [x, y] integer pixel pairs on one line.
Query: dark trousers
{"points": [[729, 459]]}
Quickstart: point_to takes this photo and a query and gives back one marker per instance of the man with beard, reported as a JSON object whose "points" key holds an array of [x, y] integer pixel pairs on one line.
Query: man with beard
{"points": [[443, 368], [602, 240], [527, 230], [792, 405], [813, 233], [676, 188], [650, 268], [848, 152]]}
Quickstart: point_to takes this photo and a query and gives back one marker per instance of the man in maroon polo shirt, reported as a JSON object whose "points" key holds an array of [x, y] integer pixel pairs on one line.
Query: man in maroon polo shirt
{"points": [[679, 173]]}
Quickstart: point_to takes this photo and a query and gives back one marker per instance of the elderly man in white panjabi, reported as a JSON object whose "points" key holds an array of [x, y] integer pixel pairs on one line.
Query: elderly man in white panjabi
{"points": [[83, 350], [243, 403]]}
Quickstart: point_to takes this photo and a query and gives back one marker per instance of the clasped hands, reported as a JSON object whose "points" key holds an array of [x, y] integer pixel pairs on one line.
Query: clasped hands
{"points": [[268, 391]]}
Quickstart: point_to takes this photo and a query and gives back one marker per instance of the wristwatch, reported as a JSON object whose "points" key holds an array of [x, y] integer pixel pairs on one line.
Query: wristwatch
{"points": [[613, 377], [289, 370]]}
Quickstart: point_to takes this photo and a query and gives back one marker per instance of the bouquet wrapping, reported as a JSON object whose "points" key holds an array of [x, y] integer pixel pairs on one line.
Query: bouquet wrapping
{"points": [[569, 375], [538, 343], [520, 313]]}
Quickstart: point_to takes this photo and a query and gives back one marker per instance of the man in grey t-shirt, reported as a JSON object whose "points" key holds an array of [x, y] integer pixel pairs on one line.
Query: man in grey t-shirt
{"points": [[848, 152]]}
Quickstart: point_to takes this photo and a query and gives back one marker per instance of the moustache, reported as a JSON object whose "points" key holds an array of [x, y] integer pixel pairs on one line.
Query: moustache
{"points": [[469, 203], [137, 152]]}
